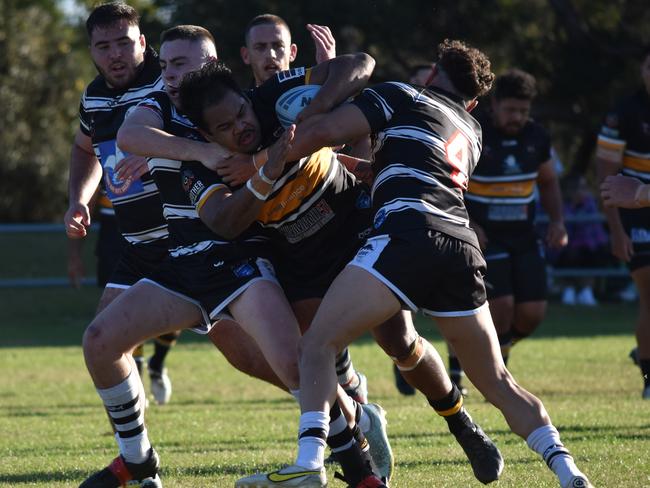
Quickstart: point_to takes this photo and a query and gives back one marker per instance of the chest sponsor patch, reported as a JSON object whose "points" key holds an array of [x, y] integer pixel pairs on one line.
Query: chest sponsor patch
{"points": [[109, 155], [507, 213], [308, 223]]}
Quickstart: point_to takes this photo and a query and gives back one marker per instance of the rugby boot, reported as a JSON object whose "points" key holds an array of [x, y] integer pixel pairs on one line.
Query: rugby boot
{"points": [[578, 482], [380, 449], [121, 473], [360, 392], [401, 384], [634, 355], [161, 385], [483, 455], [291, 476]]}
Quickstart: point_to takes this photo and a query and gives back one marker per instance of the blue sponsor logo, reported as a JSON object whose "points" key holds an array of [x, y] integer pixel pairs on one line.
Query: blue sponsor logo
{"points": [[363, 201], [380, 217], [110, 155], [244, 270]]}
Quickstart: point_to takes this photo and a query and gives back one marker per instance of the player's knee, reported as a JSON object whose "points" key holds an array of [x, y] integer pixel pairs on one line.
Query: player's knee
{"points": [[412, 355], [93, 339]]}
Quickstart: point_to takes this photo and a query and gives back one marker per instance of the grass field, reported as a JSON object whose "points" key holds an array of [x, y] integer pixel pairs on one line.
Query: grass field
{"points": [[221, 425]]}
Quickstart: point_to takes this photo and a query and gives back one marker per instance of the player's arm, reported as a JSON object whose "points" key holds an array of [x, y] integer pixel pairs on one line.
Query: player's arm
{"points": [[551, 200], [340, 77], [227, 213], [142, 134], [609, 160], [624, 191], [85, 175]]}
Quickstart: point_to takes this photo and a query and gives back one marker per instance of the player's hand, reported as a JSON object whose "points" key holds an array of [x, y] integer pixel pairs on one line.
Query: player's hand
{"points": [[212, 154], [76, 220], [278, 154], [480, 235], [620, 191], [132, 167], [76, 269], [556, 235], [621, 245], [236, 169], [323, 41]]}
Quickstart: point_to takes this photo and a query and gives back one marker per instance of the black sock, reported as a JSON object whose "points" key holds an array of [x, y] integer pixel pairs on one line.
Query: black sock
{"points": [[162, 345], [455, 370], [452, 410], [644, 364], [350, 448]]}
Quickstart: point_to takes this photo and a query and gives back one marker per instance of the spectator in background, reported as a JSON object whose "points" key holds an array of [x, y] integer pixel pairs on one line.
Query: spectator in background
{"points": [[588, 240], [624, 146]]}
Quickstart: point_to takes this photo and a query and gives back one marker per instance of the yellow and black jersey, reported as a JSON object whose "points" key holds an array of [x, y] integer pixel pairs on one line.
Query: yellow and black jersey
{"points": [[501, 192], [102, 110], [625, 136], [310, 200]]}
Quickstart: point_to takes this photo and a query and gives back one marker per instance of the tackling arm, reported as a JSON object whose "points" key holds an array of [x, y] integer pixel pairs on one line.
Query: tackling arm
{"points": [[551, 199]]}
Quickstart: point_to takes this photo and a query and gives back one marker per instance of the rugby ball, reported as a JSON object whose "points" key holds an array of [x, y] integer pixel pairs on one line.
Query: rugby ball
{"points": [[293, 101]]}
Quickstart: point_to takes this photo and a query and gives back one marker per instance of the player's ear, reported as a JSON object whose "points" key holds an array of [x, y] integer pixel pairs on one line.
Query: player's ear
{"points": [[243, 51], [471, 105], [143, 42], [432, 75], [293, 52]]}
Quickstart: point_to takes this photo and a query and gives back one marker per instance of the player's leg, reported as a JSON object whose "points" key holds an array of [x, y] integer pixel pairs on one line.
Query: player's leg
{"points": [[423, 368], [353, 382], [161, 385], [242, 352], [641, 277], [475, 341], [140, 313]]}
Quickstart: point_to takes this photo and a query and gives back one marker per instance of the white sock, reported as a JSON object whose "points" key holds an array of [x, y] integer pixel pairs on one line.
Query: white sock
{"points": [[545, 441], [123, 405], [313, 430]]}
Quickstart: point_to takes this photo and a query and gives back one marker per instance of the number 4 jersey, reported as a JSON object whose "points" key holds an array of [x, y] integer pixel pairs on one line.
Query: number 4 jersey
{"points": [[426, 146]]}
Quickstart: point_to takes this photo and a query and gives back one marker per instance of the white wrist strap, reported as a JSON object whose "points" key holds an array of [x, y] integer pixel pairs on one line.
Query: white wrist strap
{"points": [[263, 177], [257, 194]]}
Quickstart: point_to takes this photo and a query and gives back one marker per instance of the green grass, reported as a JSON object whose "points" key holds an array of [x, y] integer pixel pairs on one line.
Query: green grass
{"points": [[222, 425]]}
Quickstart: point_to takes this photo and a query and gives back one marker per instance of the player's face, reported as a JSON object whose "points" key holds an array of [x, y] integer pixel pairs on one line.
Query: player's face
{"points": [[510, 114], [268, 50], [179, 57], [118, 52], [233, 123], [645, 73]]}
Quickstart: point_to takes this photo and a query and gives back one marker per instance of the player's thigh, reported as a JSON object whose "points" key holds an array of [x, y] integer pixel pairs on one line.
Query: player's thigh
{"points": [[142, 312], [265, 314], [529, 276], [528, 315], [108, 296], [475, 342], [356, 302]]}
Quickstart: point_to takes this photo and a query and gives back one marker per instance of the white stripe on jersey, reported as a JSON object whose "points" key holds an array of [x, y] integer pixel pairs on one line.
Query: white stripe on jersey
{"points": [[194, 248], [149, 189], [407, 88], [636, 174], [388, 111], [179, 211], [611, 140], [148, 235], [457, 121], [163, 164], [493, 179], [402, 204], [637, 154], [399, 170], [414, 133], [506, 201], [95, 104]]}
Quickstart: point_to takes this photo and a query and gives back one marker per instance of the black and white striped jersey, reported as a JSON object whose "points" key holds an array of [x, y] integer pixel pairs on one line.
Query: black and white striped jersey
{"points": [[184, 187], [425, 147], [101, 113], [501, 193]]}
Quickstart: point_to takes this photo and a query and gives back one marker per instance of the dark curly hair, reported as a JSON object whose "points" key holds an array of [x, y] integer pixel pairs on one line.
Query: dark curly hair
{"points": [[515, 83], [468, 68], [204, 88], [108, 14]]}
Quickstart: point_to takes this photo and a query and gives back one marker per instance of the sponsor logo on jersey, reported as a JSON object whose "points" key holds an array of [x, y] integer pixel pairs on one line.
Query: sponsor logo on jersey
{"points": [[640, 235], [243, 270], [309, 223], [365, 250], [193, 187], [363, 200], [290, 74], [510, 165]]}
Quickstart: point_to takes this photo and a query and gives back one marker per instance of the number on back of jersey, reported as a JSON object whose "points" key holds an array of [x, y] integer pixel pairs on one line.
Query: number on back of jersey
{"points": [[457, 152]]}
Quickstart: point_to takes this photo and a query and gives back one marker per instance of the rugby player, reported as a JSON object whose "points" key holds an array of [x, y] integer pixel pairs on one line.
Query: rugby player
{"points": [[317, 217], [426, 147], [268, 50], [501, 202], [128, 70], [154, 126], [624, 146]]}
